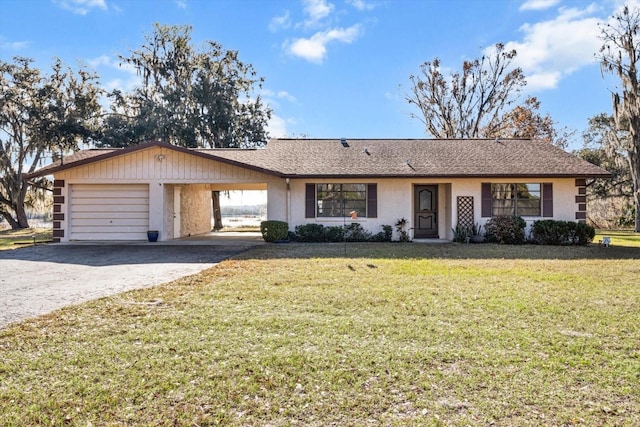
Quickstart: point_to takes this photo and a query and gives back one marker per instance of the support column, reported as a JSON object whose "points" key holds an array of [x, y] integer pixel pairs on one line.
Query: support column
{"points": [[156, 209]]}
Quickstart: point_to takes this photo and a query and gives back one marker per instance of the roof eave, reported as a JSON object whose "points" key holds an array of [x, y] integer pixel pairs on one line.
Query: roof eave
{"points": [[123, 151], [436, 176]]}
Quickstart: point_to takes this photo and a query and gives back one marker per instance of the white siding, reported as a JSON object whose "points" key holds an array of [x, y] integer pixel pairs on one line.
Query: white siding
{"points": [[109, 211]]}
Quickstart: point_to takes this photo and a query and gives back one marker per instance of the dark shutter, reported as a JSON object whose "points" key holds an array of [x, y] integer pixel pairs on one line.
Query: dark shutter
{"points": [[372, 200], [547, 199], [310, 201], [486, 200]]}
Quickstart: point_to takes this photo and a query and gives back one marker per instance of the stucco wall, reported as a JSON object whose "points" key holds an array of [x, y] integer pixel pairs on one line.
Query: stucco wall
{"points": [[395, 201], [195, 207]]}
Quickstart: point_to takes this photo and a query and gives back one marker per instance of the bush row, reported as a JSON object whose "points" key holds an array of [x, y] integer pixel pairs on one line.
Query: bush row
{"points": [[511, 230], [550, 232], [505, 229], [317, 233], [274, 231]]}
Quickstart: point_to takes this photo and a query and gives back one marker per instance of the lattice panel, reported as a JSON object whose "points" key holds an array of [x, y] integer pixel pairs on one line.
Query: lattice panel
{"points": [[465, 211]]}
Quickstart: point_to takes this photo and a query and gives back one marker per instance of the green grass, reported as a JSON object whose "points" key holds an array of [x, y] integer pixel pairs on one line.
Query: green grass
{"points": [[356, 334], [11, 239], [620, 237]]}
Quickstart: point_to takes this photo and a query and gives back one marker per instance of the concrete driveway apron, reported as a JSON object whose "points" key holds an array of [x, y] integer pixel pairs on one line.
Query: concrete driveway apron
{"points": [[39, 279]]}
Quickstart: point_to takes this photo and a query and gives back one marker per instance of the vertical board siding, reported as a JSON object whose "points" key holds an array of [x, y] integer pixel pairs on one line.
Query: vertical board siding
{"points": [[176, 166]]}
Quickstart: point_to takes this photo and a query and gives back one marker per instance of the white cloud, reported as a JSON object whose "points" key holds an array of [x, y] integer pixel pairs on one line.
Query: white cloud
{"points": [[273, 98], [277, 127], [81, 7], [552, 50], [314, 49], [362, 4], [538, 4], [111, 66], [7, 45], [280, 22], [182, 4], [286, 95], [316, 11]]}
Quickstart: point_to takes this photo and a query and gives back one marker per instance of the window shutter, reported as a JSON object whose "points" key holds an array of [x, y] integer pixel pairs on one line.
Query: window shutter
{"points": [[310, 201], [372, 200], [547, 199], [486, 200]]}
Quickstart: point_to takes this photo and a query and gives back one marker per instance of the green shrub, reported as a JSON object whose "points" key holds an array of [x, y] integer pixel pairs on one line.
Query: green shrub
{"points": [[334, 233], [310, 233], [318, 233], [273, 231], [583, 234], [553, 232], [550, 232], [506, 229], [355, 233], [384, 236]]}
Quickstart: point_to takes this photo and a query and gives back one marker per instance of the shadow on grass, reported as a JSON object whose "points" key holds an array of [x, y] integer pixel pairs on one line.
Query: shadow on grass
{"points": [[444, 251]]}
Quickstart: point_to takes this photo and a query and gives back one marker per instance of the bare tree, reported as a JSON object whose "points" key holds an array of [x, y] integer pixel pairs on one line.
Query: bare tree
{"points": [[619, 55], [471, 103]]}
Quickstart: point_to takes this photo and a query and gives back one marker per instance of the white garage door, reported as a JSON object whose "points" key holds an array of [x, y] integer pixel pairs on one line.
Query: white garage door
{"points": [[109, 212]]}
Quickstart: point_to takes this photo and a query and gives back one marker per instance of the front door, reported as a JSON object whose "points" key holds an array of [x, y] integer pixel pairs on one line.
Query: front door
{"points": [[177, 215], [426, 211]]}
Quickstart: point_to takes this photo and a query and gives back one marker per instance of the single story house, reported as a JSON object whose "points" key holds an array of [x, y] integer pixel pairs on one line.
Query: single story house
{"points": [[119, 194]]}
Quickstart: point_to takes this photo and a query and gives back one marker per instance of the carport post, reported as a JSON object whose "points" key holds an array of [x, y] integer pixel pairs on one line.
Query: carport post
{"points": [[156, 203]]}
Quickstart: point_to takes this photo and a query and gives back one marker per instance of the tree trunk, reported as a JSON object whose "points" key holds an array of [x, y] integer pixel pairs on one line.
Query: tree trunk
{"points": [[217, 214], [636, 198], [19, 220], [21, 216]]}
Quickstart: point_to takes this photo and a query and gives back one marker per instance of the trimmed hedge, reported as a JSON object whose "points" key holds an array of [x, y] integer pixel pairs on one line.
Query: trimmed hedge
{"points": [[318, 233], [506, 229], [273, 231], [553, 232]]}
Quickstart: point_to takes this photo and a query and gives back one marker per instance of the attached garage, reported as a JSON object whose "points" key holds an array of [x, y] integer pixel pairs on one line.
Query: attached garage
{"points": [[109, 211]]}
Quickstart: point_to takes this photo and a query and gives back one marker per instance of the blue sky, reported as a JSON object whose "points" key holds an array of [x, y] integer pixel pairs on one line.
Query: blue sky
{"points": [[336, 68]]}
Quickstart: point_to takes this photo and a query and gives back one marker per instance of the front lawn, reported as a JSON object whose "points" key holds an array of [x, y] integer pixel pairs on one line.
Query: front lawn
{"points": [[355, 334], [620, 237], [12, 239]]}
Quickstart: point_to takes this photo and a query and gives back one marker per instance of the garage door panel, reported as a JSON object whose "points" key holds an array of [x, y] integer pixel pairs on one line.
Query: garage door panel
{"points": [[112, 230], [111, 222], [109, 212], [105, 208], [143, 201], [79, 215], [136, 194], [93, 235]]}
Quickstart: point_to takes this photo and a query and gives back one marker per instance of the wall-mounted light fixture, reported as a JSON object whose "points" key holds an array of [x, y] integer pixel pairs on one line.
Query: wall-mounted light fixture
{"points": [[160, 157]]}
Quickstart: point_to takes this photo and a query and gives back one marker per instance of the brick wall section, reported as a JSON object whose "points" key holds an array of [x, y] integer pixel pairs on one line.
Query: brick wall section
{"points": [[581, 200], [58, 215]]}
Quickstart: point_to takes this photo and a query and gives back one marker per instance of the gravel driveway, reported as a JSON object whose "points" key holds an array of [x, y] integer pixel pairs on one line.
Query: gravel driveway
{"points": [[38, 279]]}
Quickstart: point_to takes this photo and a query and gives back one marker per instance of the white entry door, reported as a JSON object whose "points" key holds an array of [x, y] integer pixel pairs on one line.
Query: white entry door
{"points": [[176, 212]]}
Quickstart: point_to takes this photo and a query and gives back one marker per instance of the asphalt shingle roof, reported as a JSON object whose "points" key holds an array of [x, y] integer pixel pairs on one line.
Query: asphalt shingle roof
{"points": [[385, 158]]}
